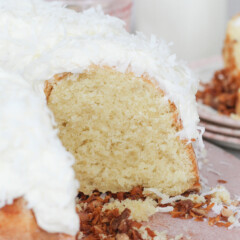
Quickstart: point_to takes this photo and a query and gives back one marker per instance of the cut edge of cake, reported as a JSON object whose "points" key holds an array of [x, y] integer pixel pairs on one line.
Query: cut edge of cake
{"points": [[86, 188]]}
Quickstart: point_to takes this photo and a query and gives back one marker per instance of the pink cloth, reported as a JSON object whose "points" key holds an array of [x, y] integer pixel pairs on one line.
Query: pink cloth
{"points": [[220, 165]]}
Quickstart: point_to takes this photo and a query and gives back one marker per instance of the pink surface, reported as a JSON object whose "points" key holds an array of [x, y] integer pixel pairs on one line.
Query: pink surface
{"points": [[220, 165]]}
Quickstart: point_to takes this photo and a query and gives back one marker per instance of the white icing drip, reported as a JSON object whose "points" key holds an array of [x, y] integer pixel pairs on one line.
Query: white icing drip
{"points": [[33, 162]]}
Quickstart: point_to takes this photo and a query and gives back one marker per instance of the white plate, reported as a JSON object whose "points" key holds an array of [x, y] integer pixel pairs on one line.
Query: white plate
{"points": [[220, 130], [209, 114], [225, 141], [204, 70]]}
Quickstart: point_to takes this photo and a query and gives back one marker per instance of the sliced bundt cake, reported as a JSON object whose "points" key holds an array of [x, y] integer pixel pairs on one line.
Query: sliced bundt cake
{"points": [[118, 107]]}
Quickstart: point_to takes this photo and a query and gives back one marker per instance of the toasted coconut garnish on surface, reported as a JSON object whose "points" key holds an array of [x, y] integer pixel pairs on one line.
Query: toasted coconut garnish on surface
{"points": [[100, 222], [109, 224]]}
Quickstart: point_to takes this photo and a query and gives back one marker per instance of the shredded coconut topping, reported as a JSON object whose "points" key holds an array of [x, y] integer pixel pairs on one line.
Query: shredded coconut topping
{"points": [[42, 43]]}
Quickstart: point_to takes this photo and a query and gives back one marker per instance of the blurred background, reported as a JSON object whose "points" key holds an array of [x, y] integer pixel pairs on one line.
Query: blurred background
{"points": [[195, 27]]}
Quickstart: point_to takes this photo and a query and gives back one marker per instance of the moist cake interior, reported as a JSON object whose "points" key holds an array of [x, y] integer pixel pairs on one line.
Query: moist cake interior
{"points": [[122, 132]]}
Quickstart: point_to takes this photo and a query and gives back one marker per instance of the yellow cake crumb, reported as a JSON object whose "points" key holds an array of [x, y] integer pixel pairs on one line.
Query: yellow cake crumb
{"points": [[122, 131], [140, 210], [221, 196]]}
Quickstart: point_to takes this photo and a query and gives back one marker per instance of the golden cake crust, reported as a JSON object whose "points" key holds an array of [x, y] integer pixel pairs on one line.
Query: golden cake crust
{"points": [[19, 223]]}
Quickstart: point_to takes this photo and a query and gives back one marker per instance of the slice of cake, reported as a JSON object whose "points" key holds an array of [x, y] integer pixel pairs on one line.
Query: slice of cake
{"points": [[222, 93]]}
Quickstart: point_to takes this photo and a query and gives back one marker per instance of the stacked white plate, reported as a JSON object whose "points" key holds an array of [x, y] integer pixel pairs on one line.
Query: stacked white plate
{"points": [[220, 129]]}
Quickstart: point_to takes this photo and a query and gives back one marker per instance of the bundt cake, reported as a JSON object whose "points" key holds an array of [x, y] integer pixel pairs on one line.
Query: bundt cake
{"points": [[84, 92]]}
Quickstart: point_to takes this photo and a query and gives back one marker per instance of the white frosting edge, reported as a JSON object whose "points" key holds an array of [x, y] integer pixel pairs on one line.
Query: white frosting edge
{"points": [[33, 162]]}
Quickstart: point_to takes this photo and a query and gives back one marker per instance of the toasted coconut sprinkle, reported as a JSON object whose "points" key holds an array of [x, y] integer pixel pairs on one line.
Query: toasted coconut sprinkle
{"points": [[100, 222]]}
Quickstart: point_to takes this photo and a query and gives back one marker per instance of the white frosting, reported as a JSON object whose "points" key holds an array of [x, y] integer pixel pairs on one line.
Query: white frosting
{"points": [[38, 40], [45, 39], [33, 162]]}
